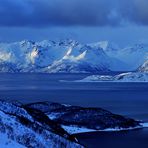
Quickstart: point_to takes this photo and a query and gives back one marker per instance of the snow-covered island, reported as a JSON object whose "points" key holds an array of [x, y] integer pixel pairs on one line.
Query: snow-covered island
{"points": [[46, 124], [123, 77], [141, 75]]}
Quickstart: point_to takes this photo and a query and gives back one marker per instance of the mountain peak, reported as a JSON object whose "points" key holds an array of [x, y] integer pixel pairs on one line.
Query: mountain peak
{"points": [[144, 67], [25, 42], [103, 44]]}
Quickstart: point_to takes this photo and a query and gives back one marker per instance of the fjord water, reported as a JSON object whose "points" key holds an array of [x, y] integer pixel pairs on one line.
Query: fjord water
{"points": [[129, 99]]}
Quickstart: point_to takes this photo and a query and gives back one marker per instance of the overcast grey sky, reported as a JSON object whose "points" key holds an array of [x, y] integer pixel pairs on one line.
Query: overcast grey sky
{"points": [[120, 21]]}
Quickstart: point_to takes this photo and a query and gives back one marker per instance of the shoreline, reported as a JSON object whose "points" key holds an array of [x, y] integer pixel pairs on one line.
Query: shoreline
{"points": [[80, 130]]}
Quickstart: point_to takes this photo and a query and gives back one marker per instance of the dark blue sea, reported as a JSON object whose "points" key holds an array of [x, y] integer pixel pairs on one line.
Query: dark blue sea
{"points": [[129, 99]]}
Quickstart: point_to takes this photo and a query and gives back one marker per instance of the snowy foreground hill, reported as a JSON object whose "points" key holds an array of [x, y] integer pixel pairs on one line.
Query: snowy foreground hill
{"points": [[44, 124], [69, 56], [22, 127], [76, 119]]}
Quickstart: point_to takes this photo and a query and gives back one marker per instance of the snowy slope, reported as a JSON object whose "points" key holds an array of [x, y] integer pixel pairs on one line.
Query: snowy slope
{"points": [[6, 142], [82, 59], [144, 67], [23, 127]]}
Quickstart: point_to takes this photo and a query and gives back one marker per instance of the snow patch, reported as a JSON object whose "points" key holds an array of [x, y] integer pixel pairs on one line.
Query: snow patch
{"points": [[76, 130], [145, 125]]}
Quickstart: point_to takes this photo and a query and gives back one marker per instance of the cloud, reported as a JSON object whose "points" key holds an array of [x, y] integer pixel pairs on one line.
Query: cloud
{"points": [[135, 11], [44, 13]]}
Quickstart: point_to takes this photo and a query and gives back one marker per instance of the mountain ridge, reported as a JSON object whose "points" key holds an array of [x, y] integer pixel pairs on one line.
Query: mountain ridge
{"points": [[69, 56]]}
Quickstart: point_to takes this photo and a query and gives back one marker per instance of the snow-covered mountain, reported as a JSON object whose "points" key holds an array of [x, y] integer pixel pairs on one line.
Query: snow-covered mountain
{"points": [[50, 56], [132, 56], [69, 56]]}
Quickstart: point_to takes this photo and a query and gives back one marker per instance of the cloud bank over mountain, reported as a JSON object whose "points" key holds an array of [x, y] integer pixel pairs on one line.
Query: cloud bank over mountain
{"points": [[38, 13]]}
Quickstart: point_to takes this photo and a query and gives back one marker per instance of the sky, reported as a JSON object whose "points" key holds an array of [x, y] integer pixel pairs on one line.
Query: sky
{"points": [[119, 21]]}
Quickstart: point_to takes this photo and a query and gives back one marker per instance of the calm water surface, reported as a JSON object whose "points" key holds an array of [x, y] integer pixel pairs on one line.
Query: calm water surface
{"points": [[129, 99]]}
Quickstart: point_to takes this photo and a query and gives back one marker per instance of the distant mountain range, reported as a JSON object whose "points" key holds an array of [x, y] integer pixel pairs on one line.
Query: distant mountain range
{"points": [[69, 56]]}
